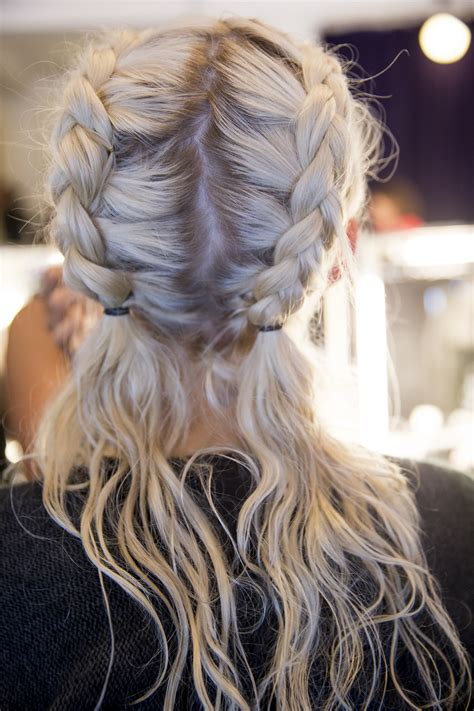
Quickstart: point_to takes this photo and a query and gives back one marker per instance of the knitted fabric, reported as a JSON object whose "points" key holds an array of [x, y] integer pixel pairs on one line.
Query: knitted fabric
{"points": [[54, 634]]}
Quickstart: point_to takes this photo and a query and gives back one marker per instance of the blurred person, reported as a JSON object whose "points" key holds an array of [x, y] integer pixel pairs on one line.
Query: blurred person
{"points": [[395, 205], [199, 539], [56, 322]]}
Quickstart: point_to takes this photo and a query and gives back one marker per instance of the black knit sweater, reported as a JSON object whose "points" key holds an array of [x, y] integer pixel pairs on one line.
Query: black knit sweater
{"points": [[54, 634]]}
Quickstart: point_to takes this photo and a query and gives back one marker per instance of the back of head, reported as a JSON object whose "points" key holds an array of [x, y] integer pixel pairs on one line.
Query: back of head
{"points": [[203, 178], [205, 173]]}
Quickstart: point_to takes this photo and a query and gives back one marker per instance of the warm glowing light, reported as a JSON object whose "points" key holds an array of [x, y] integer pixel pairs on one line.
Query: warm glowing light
{"points": [[444, 38], [13, 451]]}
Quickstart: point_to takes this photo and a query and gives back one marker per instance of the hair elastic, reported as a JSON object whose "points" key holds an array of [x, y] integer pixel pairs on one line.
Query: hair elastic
{"points": [[276, 327], [117, 311]]}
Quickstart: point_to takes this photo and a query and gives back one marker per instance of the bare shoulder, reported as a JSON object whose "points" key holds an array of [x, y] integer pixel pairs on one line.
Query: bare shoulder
{"points": [[441, 490], [36, 367]]}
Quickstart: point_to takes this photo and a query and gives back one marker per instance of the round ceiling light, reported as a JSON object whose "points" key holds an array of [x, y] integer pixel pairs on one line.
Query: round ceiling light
{"points": [[444, 38]]}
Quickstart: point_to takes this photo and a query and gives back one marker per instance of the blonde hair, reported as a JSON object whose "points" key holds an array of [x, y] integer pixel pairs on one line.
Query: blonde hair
{"points": [[204, 177]]}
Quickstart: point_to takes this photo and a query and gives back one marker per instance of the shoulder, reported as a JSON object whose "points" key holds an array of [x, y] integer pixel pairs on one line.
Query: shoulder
{"points": [[41, 564], [52, 609], [445, 501], [35, 368], [21, 505], [34, 549], [23, 517], [437, 476]]}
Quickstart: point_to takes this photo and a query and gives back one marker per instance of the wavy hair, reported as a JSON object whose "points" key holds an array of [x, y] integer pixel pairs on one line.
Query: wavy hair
{"points": [[203, 177]]}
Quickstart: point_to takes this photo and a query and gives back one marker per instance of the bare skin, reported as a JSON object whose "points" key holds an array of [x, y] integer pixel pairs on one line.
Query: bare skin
{"points": [[35, 368]]}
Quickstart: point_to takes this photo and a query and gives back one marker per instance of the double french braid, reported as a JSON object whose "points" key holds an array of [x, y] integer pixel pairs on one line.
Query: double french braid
{"points": [[322, 135], [211, 170], [83, 158]]}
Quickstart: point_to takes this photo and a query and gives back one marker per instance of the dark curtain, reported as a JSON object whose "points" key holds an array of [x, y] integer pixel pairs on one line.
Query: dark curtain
{"points": [[430, 112]]}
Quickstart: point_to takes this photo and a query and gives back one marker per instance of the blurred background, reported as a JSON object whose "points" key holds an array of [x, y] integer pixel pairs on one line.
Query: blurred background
{"points": [[415, 289]]}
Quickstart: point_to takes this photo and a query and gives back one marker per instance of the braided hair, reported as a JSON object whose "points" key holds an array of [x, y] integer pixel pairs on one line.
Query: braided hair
{"points": [[201, 180], [83, 137], [319, 179]]}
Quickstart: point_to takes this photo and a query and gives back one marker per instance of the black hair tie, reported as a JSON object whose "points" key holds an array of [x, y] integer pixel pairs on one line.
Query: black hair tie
{"points": [[276, 327], [117, 311]]}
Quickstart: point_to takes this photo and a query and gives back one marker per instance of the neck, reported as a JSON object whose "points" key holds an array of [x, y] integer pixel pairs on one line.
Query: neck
{"points": [[207, 431]]}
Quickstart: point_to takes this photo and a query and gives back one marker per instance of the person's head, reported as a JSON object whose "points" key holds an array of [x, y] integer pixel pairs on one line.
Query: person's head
{"points": [[395, 205], [204, 178]]}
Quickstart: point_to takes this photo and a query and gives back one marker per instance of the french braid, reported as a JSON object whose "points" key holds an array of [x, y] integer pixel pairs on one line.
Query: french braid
{"points": [[322, 133], [211, 171], [83, 156]]}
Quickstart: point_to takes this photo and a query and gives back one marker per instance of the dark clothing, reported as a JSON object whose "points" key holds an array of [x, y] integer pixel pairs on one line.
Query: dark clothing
{"points": [[54, 633]]}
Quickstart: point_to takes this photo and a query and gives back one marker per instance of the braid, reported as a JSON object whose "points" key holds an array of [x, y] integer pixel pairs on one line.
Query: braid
{"points": [[315, 205], [83, 156], [217, 166]]}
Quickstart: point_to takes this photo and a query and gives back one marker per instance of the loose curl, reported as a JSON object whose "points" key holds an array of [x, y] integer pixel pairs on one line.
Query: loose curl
{"points": [[203, 177]]}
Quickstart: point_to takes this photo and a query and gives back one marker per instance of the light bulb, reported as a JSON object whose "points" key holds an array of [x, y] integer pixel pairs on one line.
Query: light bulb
{"points": [[444, 38]]}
